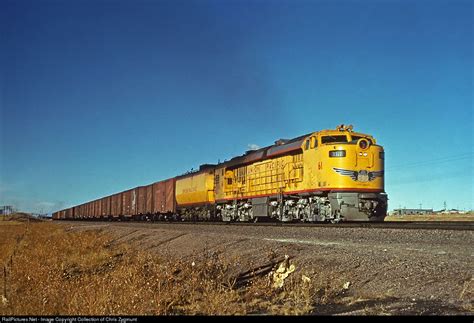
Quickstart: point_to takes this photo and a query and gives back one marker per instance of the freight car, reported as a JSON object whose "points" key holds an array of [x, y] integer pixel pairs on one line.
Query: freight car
{"points": [[329, 175]]}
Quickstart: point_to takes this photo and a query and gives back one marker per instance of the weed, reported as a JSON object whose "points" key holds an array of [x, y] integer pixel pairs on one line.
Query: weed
{"points": [[54, 272]]}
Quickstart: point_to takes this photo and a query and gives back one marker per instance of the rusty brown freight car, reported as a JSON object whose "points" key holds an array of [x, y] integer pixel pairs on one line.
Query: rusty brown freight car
{"points": [[149, 199], [94, 209], [105, 207], [163, 197], [141, 200], [68, 214], [80, 212], [129, 203], [98, 209], [116, 205], [89, 210]]}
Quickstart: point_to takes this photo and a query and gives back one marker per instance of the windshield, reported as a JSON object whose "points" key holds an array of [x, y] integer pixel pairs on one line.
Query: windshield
{"points": [[332, 139]]}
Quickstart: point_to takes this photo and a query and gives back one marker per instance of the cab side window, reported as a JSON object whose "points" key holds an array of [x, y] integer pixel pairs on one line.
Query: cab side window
{"points": [[314, 142], [306, 144]]}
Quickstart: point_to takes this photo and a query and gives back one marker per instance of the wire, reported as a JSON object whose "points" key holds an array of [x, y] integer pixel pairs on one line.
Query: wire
{"points": [[432, 161]]}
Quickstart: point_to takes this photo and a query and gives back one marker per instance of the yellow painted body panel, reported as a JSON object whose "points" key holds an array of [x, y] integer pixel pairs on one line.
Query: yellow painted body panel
{"points": [[271, 176], [195, 189]]}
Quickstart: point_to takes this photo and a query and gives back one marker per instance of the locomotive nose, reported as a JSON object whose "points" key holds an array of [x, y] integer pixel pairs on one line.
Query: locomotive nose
{"points": [[364, 156]]}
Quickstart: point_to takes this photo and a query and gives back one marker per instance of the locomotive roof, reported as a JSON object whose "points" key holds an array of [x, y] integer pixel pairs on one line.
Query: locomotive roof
{"points": [[281, 146], [284, 145]]}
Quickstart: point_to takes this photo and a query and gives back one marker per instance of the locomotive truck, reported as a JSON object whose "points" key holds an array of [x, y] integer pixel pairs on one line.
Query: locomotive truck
{"points": [[329, 175]]}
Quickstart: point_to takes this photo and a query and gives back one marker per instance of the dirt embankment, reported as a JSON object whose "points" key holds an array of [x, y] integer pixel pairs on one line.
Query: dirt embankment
{"points": [[368, 271]]}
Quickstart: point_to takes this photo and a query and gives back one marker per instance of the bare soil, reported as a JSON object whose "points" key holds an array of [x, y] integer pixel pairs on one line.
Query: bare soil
{"points": [[370, 271]]}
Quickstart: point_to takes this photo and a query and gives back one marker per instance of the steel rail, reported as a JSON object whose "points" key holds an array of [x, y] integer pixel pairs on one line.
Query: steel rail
{"points": [[413, 225]]}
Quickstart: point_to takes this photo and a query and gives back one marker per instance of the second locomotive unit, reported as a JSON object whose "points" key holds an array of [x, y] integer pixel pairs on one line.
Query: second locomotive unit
{"points": [[329, 175]]}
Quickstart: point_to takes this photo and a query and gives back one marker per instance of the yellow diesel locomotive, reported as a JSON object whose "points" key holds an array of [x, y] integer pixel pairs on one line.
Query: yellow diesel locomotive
{"points": [[329, 175]]}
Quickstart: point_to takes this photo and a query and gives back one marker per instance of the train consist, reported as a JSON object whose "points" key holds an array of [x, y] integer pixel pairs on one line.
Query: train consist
{"points": [[329, 175]]}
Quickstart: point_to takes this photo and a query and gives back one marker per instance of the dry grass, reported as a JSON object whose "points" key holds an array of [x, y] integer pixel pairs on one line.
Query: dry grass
{"points": [[432, 217], [54, 272]]}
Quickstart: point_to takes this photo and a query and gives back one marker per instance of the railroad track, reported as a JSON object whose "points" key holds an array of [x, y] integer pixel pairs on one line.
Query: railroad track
{"points": [[413, 225]]}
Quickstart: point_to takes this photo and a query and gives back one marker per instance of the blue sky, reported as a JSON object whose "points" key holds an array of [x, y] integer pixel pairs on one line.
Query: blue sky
{"points": [[101, 96]]}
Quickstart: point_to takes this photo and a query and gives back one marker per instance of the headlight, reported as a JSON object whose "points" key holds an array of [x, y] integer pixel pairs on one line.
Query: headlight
{"points": [[337, 153], [363, 144]]}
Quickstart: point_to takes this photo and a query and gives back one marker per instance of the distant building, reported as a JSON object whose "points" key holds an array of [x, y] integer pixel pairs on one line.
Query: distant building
{"points": [[452, 211], [412, 211], [6, 210]]}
